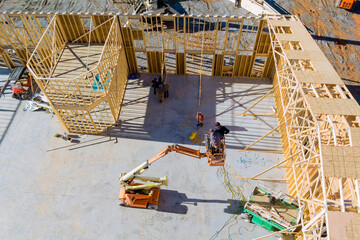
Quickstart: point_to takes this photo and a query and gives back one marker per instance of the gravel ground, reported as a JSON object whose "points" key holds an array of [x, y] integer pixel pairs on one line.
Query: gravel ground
{"points": [[206, 7], [336, 31]]}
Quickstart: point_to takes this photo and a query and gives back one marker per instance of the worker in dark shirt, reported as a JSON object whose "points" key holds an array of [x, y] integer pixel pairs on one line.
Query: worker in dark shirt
{"points": [[155, 84], [221, 129], [215, 138]]}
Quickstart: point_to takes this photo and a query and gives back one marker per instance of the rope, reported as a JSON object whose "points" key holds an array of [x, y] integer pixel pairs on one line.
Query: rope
{"points": [[235, 190], [236, 195]]}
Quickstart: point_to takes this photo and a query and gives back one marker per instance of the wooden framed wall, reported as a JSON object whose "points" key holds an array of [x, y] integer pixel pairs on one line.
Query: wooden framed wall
{"points": [[90, 100], [20, 33], [243, 39], [320, 119]]}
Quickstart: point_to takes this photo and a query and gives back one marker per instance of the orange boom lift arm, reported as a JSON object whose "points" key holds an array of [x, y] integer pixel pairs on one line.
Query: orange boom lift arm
{"points": [[146, 195]]}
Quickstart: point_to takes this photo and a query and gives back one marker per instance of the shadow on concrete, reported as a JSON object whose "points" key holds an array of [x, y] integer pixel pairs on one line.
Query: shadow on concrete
{"points": [[77, 143], [8, 106], [223, 99], [278, 7], [174, 202], [235, 207], [4, 71], [7, 122], [346, 80], [171, 201], [338, 41]]}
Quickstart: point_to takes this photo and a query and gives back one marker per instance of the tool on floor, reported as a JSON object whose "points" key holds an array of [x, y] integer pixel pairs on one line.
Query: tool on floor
{"points": [[200, 123], [64, 136], [192, 136], [146, 195]]}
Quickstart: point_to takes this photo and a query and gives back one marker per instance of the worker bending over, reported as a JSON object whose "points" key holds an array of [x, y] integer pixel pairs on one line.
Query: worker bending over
{"points": [[160, 93], [155, 84], [216, 136], [19, 92], [221, 129], [200, 119]]}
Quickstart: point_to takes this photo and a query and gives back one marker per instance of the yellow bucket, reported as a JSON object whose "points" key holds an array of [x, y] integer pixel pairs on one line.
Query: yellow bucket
{"points": [[192, 136]]}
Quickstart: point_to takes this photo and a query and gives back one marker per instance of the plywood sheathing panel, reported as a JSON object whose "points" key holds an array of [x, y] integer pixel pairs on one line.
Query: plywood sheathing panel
{"points": [[323, 70], [355, 136], [218, 65], [180, 63], [127, 35], [343, 225], [324, 77], [334, 106], [299, 33], [317, 58], [72, 27], [155, 61], [341, 162]]}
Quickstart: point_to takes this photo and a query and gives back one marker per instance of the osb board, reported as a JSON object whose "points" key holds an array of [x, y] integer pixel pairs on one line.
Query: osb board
{"points": [[316, 57], [77, 59], [335, 106], [324, 72], [340, 161], [299, 34], [280, 22], [303, 54], [355, 136], [318, 77], [343, 225]]}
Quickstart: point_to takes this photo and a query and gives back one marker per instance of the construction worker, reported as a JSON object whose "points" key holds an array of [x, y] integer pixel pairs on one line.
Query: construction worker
{"points": [[200, 119], [18, 91], [155, 84], [221, 129], [215, 140], [166, 90], [160, 93]]}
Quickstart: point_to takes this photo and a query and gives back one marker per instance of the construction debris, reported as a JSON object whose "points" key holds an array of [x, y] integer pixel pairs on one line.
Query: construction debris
{"points": [[38, 102]]}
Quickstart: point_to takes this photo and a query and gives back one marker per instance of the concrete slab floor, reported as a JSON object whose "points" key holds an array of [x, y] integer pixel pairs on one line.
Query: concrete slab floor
{"points": [[52, 189]]}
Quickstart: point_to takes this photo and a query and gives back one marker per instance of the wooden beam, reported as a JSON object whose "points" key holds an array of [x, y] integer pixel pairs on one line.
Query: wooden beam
{"points": [[264, 96], [277, 232], [261, 138]]}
